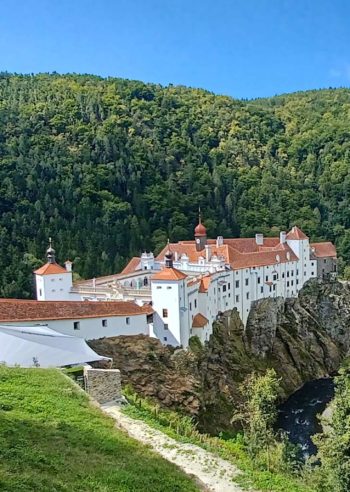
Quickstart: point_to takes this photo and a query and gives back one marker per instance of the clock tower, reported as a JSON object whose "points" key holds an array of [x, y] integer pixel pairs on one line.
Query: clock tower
{"points": [[200, 235]]}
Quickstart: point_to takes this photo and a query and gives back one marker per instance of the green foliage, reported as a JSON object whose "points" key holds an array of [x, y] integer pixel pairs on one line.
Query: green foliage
{"points": [[53, 439], [334, 443], [258, 414], [109, 167]]}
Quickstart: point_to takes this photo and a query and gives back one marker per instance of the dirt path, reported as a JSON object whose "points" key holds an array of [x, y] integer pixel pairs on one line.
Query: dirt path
{"points": [[214, 473]]}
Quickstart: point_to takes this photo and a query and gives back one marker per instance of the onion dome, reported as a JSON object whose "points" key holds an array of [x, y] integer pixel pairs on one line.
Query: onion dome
{"points": [[200, 230]]}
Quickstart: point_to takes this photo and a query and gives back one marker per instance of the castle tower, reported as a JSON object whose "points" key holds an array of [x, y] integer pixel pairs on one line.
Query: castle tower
{"points": [[53, 282], [200, 234]]}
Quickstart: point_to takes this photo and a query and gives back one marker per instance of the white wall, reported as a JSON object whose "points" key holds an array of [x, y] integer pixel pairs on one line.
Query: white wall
{"points": [[54, 287], [170, 295], [92, 328]]}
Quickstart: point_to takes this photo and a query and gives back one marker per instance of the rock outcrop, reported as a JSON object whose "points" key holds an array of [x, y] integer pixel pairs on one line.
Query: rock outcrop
{"points": [[303, 339]]}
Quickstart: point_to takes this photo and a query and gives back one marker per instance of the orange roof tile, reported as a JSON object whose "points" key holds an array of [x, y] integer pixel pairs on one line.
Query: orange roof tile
{"points": [[296, 234], [50, 269], [247, 254], [204, 284], [169, 274], [199, 321], [17, 310], [131, 266], [323, 250]]}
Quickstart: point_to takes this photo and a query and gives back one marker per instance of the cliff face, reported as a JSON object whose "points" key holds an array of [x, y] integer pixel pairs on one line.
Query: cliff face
{"points": [[303, 339]]}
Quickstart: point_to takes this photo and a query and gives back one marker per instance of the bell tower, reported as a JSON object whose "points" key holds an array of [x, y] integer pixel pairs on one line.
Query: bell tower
{"points": [[200, 234]]}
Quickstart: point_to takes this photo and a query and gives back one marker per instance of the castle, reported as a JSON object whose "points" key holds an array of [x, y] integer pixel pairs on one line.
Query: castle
{"points": [[190, 283]]}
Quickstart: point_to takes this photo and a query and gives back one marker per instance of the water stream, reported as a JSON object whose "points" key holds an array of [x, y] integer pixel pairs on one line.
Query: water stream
{"points": [[298, 415]]}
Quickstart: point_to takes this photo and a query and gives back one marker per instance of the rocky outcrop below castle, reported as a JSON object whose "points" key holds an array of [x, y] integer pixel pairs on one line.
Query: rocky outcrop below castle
{"points": [[303, 339]]}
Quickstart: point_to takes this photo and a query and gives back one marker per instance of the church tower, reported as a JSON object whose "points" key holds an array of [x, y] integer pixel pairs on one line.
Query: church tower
{"points": [[200, 234]]}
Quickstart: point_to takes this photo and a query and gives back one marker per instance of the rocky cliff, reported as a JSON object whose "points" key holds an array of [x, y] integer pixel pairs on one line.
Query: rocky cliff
{"points": [[303, 339]]}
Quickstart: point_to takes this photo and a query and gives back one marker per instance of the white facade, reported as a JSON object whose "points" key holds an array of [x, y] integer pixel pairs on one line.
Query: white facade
{"points": [[207, 277], [93, 328], [55, 287]]}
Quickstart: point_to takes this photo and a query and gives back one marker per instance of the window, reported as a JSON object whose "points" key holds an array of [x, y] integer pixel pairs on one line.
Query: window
{"points": [[190, 306], [247, 281], [297, 281], [259, 280], [247, 295], [104, 323], [237, 298], [288, 273], [224, 288], [292, 273], [166, 326], [165, 339], [159, 286], [229, 286], [165, 313], [127, 320], [169, 287], [40, 292], [282, 274], [261, 290], [266, 278], [297, 272], [288, 283], [312, 273], [274, 277], [274, 287], [52, 280], [195, 303], [270, 288], [292, 282], [237, 284], [76, 325], [325, 261]]}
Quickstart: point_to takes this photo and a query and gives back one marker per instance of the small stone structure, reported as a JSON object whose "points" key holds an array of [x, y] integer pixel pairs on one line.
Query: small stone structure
{"points": [[104, 385]]}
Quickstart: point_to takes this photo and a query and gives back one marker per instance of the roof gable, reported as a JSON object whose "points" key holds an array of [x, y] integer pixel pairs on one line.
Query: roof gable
{"points": [[296, 234]]}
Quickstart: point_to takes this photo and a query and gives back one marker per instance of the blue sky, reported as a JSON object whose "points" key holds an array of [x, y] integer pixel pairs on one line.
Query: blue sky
{"points": [[242, 48]]}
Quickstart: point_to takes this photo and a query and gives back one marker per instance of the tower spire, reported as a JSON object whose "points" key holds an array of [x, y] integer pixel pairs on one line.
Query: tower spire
{"points": [[50, 253]]}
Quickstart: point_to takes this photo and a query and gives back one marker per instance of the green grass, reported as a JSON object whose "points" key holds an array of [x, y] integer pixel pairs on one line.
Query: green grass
{"points": [[183, 429], [52, 439]]}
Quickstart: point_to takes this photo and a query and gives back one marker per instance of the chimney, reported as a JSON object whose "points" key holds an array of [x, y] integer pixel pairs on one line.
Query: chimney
{"points": [[259, 239], [68, 265], [219, 241], [283, 235], [207, 253]]}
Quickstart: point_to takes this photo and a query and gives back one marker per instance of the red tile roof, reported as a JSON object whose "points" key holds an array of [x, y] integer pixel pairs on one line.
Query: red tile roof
{"points": [[296, 233], [204, 284], [323, 250], [169, 274], [17, 310], [239, 253], [199, 321], [131, 266], [50, 269]]}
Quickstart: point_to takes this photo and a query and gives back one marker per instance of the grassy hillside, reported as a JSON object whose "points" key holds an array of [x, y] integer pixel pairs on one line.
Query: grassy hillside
{"points": [[51, 439], [130, 163]]}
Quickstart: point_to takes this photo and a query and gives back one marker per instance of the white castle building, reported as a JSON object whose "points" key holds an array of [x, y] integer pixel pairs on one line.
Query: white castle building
{"points": [[191, 282]]}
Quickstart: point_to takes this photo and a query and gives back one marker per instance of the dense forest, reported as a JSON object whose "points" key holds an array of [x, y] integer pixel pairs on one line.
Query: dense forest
{"points": [[110, 167]]}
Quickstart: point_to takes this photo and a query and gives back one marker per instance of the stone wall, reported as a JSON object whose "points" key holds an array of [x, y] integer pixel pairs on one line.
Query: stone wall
{"points": [[104, 385]]}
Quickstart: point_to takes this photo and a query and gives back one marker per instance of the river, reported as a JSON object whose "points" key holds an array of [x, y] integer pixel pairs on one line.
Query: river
{"points": [[298, 415]]}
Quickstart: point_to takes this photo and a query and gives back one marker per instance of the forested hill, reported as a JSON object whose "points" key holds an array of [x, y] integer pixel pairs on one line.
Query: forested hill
{"points": [[109, 167]]}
